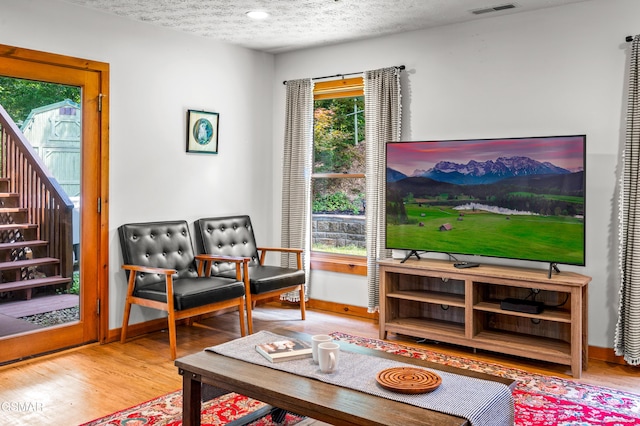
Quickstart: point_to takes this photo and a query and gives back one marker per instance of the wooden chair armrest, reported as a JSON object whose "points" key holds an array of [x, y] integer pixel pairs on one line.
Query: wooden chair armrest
{"points": [[168, 276], [298, 252], [149, 269], [213, 257], [281, 249], [205, 262]]}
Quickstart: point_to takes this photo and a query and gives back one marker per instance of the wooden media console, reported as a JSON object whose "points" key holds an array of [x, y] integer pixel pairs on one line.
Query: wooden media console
{"points": [[432, 299]]}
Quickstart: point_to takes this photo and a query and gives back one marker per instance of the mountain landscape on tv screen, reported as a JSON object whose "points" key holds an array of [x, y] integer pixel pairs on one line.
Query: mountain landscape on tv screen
{"points": [[514, 207], [475, 172], [486, 180]]}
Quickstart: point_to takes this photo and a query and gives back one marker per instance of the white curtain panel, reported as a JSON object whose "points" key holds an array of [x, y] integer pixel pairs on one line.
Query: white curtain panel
{"points": [[296, 185], [627, 339], [383, 112]]}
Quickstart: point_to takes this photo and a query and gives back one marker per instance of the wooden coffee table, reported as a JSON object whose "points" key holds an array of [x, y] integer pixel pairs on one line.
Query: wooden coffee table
{"points": [[305, 396]]}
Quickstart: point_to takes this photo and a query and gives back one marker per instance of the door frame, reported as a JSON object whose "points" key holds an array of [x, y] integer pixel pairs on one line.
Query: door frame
{"points": [[94, 211]]}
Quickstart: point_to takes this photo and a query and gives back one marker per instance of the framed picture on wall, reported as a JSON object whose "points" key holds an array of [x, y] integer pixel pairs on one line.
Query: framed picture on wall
{"points": [[202, 131]]}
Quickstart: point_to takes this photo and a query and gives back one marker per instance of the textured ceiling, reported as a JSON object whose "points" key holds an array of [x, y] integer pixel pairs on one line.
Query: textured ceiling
{"points": [[297, 24]]}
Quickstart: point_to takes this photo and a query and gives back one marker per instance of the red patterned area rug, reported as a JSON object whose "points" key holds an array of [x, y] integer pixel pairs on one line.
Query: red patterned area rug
{"points": [[167, 411], [539, 400]]}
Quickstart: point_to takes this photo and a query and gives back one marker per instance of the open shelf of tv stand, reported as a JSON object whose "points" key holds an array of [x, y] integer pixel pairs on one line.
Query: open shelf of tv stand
{"points": [[432, 299]]}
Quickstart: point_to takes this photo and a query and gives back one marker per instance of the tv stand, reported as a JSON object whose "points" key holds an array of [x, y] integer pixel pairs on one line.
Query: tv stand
{"points": [[414, 294], [411, 253], [553, 267]]}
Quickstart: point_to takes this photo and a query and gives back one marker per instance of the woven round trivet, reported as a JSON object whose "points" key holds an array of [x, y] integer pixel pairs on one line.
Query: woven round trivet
{"points": [[408, 380]]}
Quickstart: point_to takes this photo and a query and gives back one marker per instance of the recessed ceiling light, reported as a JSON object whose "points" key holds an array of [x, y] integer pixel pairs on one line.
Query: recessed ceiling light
{"points": [[257, 14]]}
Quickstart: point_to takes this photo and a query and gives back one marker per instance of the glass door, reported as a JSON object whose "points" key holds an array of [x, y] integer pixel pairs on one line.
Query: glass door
{"points": [[51, 301]]}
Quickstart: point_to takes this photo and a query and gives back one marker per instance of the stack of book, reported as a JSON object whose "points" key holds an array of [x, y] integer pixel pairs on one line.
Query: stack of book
{"points": [[284, 350]]}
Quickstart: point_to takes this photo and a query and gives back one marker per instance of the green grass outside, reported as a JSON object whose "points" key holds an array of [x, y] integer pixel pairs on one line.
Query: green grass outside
{"points": [[350, 250]]}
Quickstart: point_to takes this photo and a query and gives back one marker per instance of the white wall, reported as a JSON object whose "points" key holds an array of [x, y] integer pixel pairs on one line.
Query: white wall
{"points": [[156, 75], [549, 72], [554, 71]]}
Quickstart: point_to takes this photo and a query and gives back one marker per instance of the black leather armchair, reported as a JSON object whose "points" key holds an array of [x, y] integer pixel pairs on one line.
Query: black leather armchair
{"points": [[164, 273], [233, 236]]}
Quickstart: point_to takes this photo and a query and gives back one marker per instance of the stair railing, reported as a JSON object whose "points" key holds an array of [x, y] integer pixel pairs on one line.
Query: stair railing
{"points": [[40, 193]]}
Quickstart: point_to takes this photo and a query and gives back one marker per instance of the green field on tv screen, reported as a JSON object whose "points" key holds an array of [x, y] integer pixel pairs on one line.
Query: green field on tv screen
{"points": [[557, 239]]}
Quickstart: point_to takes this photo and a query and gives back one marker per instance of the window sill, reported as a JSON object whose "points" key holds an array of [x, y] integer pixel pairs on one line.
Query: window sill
{"points": [[343, 264]]}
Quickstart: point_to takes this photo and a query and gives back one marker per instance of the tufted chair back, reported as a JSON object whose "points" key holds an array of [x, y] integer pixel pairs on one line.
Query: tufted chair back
{"points": [[232, 236], [160, 245], [227, 236]]}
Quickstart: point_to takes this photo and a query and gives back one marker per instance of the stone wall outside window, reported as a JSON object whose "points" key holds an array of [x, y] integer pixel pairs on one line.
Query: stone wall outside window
{"points": [[339, 230]]}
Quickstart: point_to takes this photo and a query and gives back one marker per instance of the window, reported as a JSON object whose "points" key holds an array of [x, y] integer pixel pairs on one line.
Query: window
{"points": [[338, 178]]}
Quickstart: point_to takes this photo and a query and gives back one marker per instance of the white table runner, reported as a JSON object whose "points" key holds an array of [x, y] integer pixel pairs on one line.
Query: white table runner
{"points": [[482, 402]]}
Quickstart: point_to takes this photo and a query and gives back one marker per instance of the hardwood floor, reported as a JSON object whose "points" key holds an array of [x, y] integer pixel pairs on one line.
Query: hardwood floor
{"points": [[82, 384]]}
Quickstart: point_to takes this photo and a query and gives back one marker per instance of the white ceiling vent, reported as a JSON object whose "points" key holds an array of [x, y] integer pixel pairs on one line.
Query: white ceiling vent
{"points": [[493, 9]]}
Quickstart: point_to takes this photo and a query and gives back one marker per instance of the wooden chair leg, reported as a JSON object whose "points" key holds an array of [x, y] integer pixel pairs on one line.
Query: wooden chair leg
{"points": [[125, 321], [127, 306], [243, 332], [249, 315], [303, 308], [172, 334]]}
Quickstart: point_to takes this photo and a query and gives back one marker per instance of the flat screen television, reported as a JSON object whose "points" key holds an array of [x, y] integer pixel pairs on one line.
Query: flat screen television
{"points": [[516, 198]]}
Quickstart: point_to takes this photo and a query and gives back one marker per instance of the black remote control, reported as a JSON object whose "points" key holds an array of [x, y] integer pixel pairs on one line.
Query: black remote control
{"points": [[462, 265]]}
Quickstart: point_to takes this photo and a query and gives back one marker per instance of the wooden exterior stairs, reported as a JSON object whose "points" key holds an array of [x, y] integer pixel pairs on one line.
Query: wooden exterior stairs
{"points": [[24, 261], [36, 248]]}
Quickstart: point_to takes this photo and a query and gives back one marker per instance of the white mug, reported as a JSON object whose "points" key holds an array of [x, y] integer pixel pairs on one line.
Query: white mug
{"points": [[328, 356], [315, 341]]}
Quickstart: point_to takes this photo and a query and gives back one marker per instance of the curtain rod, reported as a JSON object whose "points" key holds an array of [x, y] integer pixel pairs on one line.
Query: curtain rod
{"points": [[628, 39], [400, 67]]}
